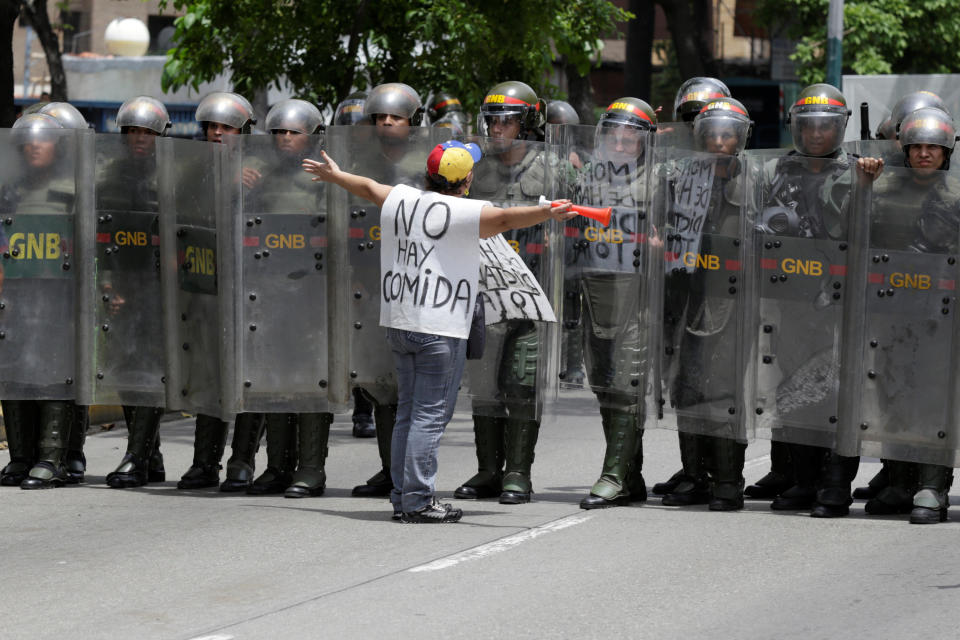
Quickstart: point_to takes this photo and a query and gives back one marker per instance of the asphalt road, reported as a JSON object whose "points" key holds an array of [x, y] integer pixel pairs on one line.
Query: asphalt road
{"points": [[93, 562]]}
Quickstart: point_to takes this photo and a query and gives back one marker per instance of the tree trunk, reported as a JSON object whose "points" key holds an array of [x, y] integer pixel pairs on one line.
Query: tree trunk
{"points": [[580, 93], [686, 20], [8, 18], [36, 14], [638, 65]]}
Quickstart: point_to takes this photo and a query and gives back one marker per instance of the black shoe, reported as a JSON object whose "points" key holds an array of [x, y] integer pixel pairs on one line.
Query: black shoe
{"points": [[129, 474], [299, 490], [231, 485], [725, 504], [44, 475], [15, 473], [864, 493], [75, 466], [687, 494], [924, 515], [663, 488], [156, 472], [596, 502], [433, 513], [879, 507], [515, 497], [271, 481], [200, 476], [829, 511], [465, 492], [796, 498], [767, 487], [364, 427], [379, 486]]}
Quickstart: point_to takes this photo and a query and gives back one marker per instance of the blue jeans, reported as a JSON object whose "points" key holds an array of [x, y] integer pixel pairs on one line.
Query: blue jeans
{"points": [[429, 368]]}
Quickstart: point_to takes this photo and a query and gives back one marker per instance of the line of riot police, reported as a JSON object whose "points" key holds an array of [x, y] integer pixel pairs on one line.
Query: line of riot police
{"points": [[804, 296]]}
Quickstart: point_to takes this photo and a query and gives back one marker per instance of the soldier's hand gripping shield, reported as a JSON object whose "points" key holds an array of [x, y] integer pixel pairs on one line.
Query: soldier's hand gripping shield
{"points": [[47, 185], [190, 196], [275, 251], [898, 400], [121, 312], [359, 354], [605, 272], [510, 379], [797, 210]]}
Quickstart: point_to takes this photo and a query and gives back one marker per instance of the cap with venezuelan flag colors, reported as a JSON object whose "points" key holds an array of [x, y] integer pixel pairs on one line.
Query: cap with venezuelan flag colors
{"points": [[452, 160]]}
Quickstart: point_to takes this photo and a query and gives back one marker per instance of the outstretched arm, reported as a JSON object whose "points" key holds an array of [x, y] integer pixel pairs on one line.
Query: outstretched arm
{"points": [[328, 171], [494, 220]]}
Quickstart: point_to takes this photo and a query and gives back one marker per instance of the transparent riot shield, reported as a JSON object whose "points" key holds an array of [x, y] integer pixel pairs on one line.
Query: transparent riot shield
{"points": [[510, 379], [797, 210], [121, 317], [603, 284], [190, 195], [358, 348], [274, 241], [701, 350], [47, 185], [900, 390]]}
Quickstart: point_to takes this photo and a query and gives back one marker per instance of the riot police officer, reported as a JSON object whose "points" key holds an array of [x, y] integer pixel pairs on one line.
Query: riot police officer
{"points": [[694, 94], [221, 114], [39, 432], [350, 110], [505, 421], [392, 109], [444, 106], [712, 443], [561, 112], [129, 184]]}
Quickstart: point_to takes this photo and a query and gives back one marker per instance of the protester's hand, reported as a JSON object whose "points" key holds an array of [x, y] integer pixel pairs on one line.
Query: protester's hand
{"points": [[870, 167], [250, 177], [560, 211], [322, 170]]}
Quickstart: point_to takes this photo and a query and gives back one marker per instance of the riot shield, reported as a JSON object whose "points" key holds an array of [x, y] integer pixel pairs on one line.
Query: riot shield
{"points": [[190, 194], [605, 269], [47, 185], [358, 350], [274, 241], [900, 386], [510, 379], [796, 215], [121, 354], [701, 350]]}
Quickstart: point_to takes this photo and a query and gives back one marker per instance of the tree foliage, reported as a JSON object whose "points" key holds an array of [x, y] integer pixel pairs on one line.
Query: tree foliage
{"points": [[326, 48], [880, 36]]}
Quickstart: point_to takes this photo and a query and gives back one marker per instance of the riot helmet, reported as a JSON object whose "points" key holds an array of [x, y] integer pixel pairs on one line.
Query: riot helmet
{"points": [[928, 126], [452, 122], [441, 104], [226, 108], [694, 94], [294, 115], [66, 114], [350, 111], [38, 135], [887, 130], [911, 102], [144, 112], [623, 128], [818, 120], [396, 99], [722, 126], [560, 112], [511, 102]]}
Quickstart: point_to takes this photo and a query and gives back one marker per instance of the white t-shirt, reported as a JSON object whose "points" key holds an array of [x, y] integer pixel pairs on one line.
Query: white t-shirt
{"points": [[429, 261]]}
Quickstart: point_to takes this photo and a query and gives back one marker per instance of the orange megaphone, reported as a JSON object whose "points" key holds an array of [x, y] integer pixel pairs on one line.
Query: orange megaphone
{"points": [[601, 215]]}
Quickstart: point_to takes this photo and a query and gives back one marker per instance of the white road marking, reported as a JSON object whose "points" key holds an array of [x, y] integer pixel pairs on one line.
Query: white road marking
{"points": [[213, 637], [502, 544]]}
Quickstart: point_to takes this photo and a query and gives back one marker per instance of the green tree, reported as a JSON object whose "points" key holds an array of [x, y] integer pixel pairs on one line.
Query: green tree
{"points": [[880, 36], [325, 48]]}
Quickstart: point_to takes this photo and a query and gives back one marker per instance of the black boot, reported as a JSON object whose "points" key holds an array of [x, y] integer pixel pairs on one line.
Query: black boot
{"points": [[363, 425], [488, 436], [74, 461], [247, 433], [623, 432], [833, 497], [808, 464], [20, 419], [380, 484], [142, 427], [726, 486], [931, 502], [778, 479], [876, 484], [520, 440], [900, 482], [56, 421], [313, 432], [281, 455], [692, 488], [208, 445], [157, 472]]}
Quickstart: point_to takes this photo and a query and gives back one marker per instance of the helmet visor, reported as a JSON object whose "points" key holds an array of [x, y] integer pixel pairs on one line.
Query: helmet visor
{"points": [[817, 133], [721, 134]]}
